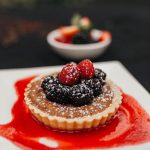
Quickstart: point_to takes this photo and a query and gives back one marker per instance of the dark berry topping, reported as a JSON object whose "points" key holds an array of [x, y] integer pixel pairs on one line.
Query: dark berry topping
{"points": [[57, 93], [75, 85], [94, 84], [86, 68], [80, 94], [100, 75], [48, 81], [80, 38], [54, 91], [69, 74]]}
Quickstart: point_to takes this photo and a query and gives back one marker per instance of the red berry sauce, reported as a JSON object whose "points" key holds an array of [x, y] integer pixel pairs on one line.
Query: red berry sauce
{"points": [[131, 125]]}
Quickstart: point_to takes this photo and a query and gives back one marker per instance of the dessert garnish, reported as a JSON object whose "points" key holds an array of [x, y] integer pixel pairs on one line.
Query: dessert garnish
{"points": [[81, 31], [86, 68], [69, 75], [75, 84]]}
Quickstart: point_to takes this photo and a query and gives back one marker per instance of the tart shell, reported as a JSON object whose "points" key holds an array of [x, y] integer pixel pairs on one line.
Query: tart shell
{"points": [[77, 123]]}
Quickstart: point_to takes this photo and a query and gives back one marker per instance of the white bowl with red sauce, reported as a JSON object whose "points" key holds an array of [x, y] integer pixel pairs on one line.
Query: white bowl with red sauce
{"points": [[79, 51]]}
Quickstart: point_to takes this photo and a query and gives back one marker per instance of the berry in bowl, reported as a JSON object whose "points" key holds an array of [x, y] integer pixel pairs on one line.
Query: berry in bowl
{"points": [[79, 40]]}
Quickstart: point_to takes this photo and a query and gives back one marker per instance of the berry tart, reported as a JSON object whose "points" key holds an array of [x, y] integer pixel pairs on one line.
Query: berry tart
{"points": [[77, 97]]}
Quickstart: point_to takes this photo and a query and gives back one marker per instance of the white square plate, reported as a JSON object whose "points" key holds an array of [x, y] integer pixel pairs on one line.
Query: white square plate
{"points": [[114, 69]]}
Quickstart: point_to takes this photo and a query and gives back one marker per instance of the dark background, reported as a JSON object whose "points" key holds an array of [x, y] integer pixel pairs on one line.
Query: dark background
{"points": [[23, 28]]}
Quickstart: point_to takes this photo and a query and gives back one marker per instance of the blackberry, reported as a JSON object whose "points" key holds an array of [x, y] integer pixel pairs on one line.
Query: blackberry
{"points": [[80, 95], [80, 38], [49, 80], [57, 93], [54, 91], [95, 85], [99, 74]]}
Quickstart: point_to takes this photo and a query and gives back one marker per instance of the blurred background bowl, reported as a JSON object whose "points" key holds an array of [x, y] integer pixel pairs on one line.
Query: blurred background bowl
{"points": [[77, 51]]}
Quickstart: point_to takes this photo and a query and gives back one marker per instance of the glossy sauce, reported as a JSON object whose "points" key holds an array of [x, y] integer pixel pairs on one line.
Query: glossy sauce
{"points": [[131, 125]]}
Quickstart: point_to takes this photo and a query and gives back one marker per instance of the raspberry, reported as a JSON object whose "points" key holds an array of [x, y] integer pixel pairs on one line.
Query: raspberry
{"points": [[94, 84], [99, 74], [69, 74], [86, 68], [80, 95]]}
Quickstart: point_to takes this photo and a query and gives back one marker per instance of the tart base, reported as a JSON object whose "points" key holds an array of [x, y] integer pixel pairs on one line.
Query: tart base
{"points": [[71, 126], [79, 123]]}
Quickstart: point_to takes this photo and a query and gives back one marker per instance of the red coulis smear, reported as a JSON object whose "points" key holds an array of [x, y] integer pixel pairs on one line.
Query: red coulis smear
{"points": [[131, 125]]}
